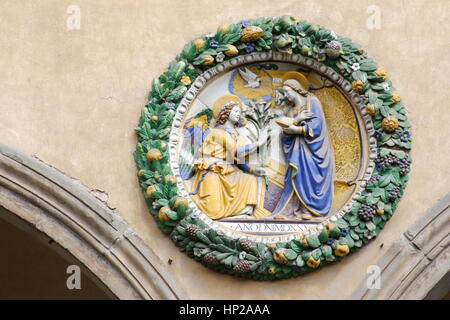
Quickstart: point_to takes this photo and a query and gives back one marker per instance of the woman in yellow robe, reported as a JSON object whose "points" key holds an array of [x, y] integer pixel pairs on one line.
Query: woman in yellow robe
{"points": [[221, 187]]}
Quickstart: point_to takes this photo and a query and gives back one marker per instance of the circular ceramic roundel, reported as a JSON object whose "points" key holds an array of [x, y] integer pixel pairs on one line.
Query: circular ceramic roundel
{"points": [[272, 147]]}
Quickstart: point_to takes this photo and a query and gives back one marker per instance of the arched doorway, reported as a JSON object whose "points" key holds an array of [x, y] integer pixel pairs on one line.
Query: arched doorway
{"points": [[33, 266], [97, 237]]}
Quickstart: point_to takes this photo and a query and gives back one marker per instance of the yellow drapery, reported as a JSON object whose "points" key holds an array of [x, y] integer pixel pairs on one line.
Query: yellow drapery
{"points": [[225, 189]]}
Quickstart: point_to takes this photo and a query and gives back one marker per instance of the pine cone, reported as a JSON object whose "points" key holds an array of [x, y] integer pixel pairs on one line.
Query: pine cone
{"points": [[210, 258], [246, 244], [242, 266], [191, 230]]}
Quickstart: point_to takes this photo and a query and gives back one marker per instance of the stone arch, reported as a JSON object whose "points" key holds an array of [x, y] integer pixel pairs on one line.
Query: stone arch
{"points": [[97, 236], [417, 265]]}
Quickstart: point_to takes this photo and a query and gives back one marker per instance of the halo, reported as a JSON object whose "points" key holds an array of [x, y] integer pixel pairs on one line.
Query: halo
{"points": [[297, 76], [220, 102]]}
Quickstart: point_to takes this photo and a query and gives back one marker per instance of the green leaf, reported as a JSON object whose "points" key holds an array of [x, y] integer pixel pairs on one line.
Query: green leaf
{"points": [[316, 253], [361, 76], [255, 266], [177, 93], [377, 192], [370, 226], [354, 221], [290, 254], [384, 110], [306, 255], [201, 236], [371, 199], [222, 256], [172, 215], [350, 241], [232, 38], [323, 236], [354, 235], [327, 251], [335, 232], [341, 223], [384, 152], [376, 220], [385, 180], [228, 261], [372, 98], [368, 65], [399, 154], [313, 241], [296, 246], [388, 208], [299, 261]]}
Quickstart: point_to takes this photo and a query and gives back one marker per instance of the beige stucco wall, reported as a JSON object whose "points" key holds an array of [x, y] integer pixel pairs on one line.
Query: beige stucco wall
{"points": [[73, 98]]}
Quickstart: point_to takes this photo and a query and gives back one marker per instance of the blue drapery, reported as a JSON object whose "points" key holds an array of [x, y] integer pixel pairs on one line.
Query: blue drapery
{"points": [[310, 165]]}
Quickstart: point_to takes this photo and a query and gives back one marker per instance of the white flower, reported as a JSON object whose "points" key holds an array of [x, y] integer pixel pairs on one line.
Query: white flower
{"points": [[194, 215], [242, 255], [386, 86], [155, 204], [220, 57], [355, 66], [333, 35], [210, 35]]}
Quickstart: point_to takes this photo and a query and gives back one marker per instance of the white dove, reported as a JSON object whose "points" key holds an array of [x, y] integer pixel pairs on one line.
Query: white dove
{"points": [[250, 78]]}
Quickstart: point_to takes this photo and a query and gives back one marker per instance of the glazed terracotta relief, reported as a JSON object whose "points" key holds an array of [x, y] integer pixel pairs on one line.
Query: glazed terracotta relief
{"points": [[272, 147]]}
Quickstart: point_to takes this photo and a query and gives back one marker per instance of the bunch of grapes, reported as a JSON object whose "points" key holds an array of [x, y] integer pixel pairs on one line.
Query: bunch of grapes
{"points": [[344, 232], [404, 165], [386, 161], [366, 212], [373, 179], [394, 193]]}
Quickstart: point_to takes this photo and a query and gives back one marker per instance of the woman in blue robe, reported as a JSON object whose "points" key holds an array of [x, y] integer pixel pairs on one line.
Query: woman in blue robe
{"points": [[309, 155]]}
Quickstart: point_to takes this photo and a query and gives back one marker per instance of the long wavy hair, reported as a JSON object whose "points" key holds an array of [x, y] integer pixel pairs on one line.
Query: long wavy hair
{"points": [[224, 113]]}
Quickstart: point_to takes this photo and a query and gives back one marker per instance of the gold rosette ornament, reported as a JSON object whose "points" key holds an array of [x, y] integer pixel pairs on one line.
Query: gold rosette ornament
{"points": [[382, 73], [396, 97], [370, 108], [389, 124], [358, 86], [185, 80]]}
